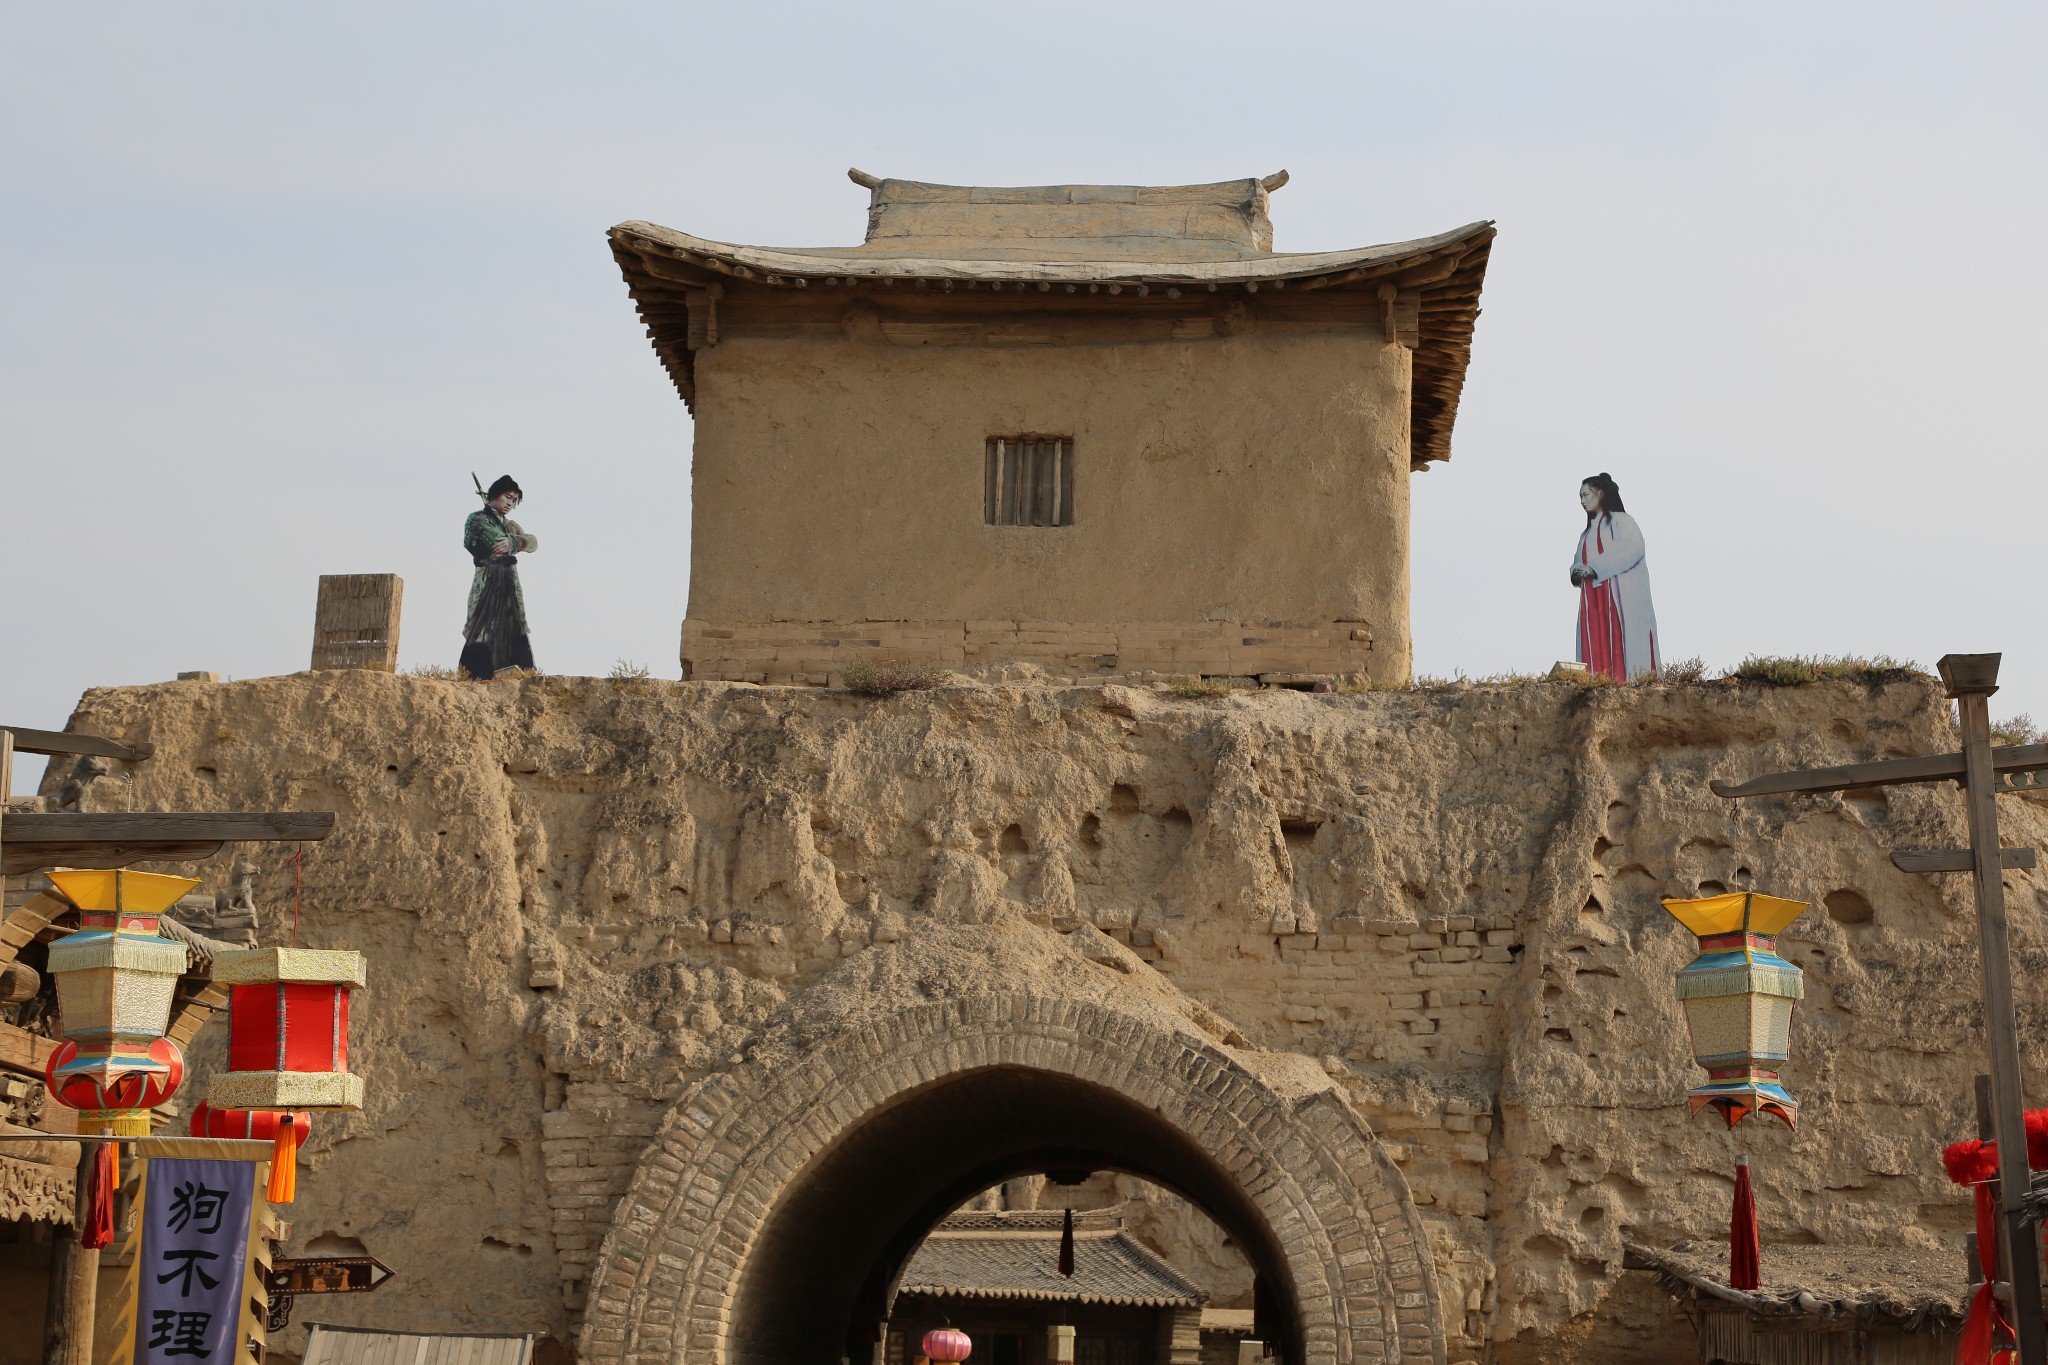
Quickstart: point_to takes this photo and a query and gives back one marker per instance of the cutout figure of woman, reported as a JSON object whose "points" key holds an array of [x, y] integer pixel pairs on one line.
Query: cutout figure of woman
{"points": [[1617, 624], [494, 638]]}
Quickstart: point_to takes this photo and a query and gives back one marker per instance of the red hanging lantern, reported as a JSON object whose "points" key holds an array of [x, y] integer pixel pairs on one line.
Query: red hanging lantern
{"points": [[259, 1125], [288, 1029], [119, 1106], [947, 1345]]}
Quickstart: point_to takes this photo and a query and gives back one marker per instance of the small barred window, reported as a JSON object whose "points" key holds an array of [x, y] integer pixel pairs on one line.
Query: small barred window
{"points": [[1029, 481]]}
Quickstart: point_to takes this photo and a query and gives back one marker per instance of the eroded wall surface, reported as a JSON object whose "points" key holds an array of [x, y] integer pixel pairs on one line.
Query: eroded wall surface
{"points": [[577, 897]]}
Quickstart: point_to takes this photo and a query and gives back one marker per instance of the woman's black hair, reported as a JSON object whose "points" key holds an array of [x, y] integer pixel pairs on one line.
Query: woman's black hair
{"points": [[505, 484], [1610, 495]]}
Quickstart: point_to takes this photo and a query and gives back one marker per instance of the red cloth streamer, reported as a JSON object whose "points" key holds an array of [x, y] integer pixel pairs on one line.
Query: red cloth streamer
{"points": [[1067, 1245], [1974, 1162], [284, 1163], [1986, 1319], [1745, 1270], [102, 1178]]}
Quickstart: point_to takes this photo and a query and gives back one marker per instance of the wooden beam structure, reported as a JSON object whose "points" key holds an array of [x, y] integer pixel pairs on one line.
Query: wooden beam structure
{"points": [[27, 741], [1970, 680], [1956, 859], [2005, 760], [117, 839]]}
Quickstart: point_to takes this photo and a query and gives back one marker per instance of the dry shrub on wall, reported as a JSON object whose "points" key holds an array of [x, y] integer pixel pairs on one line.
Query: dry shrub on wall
{"points": [[2020, 729], [1794, 670], [1195, 688], [872, 679], [438, 671], [1680, 671], [627, 676]]}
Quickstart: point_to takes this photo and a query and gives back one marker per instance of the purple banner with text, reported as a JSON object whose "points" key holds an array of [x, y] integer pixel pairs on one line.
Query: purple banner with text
{"points": [[195, 1251]]}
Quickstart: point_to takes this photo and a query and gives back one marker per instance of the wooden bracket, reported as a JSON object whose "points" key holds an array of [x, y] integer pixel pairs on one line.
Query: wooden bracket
{"points": [[1401, 318], [703, 306], [1955, 859]]}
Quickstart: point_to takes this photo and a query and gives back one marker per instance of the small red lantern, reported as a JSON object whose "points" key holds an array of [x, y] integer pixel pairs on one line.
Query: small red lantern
{"points": [[288, 1029], [119, 1107], [947, 1345], [259, 1125]]}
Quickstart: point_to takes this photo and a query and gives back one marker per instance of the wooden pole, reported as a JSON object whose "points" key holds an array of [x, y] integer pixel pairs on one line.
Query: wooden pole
{"points": [[1971, 679], [74, 1283], [70, 1301]]}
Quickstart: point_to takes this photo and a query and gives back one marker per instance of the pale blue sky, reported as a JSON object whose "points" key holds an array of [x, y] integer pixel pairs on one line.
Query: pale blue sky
{"points": [[277, 278]]}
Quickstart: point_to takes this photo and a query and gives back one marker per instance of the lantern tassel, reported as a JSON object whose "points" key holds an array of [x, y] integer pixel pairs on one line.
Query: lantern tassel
{"points": [[1745, 1270], [102, 1178], [284, 1163], [1067, 1245]]}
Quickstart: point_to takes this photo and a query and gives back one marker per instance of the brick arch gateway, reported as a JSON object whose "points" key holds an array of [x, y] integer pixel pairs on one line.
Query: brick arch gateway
{"points": [[771, 1215]]}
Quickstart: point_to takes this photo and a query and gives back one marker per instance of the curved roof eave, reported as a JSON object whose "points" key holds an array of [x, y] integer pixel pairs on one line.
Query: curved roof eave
{"points": [[1437, 281], [859, 263]]}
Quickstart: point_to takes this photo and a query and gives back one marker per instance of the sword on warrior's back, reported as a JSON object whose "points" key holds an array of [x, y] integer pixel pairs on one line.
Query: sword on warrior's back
{"points": [[511, 525]]}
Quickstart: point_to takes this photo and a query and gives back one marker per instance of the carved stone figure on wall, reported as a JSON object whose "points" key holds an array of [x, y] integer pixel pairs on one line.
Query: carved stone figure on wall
{"points": [[234, 910], [494, 637], [226, 917], [77, 788], [1617, 624]]}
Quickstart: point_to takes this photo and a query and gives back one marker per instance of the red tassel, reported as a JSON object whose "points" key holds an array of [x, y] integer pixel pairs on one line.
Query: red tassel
{"points": [[284, 1163], [2037, 1138], [1067, 1245], [102, 1178], [1971, 1161], [1975, 1160], [1745, 1270]]}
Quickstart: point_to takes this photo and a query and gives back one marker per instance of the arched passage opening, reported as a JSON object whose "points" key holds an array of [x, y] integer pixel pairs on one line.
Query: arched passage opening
{"points": [[820, 1278], [767, 1221]]}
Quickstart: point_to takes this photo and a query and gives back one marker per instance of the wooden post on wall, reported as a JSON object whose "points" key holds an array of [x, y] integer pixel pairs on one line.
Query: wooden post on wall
{"points": [[355, 623]]}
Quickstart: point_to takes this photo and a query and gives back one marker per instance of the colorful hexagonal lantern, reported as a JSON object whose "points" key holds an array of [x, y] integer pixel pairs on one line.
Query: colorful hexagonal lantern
{"points": [[1738, 996], [116, 976]]}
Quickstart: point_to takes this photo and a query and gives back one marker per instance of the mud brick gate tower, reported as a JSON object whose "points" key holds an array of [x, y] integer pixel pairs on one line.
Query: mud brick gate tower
{"points": [[1102, 428]]}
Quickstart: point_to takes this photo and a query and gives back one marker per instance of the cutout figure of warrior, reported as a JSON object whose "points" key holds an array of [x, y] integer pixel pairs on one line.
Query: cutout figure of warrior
{"points": [[494, 639], [1617, 624]]}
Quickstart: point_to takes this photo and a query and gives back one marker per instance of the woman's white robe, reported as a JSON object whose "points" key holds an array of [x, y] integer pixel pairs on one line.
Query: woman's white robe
{"points": [[1616, 554]]}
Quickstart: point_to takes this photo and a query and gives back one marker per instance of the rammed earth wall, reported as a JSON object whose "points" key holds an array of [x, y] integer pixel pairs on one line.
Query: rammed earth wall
{"points": [[587, 905]]}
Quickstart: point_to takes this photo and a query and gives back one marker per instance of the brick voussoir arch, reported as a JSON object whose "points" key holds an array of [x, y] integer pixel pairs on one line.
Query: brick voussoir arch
{"points": [[669, 1275]]}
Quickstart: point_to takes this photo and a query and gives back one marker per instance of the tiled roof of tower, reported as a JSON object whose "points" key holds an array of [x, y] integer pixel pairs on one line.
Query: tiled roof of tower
{"points": [[1147, 242], [1016, 1255]]}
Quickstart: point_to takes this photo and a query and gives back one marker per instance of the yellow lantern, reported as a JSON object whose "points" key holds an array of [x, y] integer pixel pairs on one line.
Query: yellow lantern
{"points": [[1738, 996]]}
